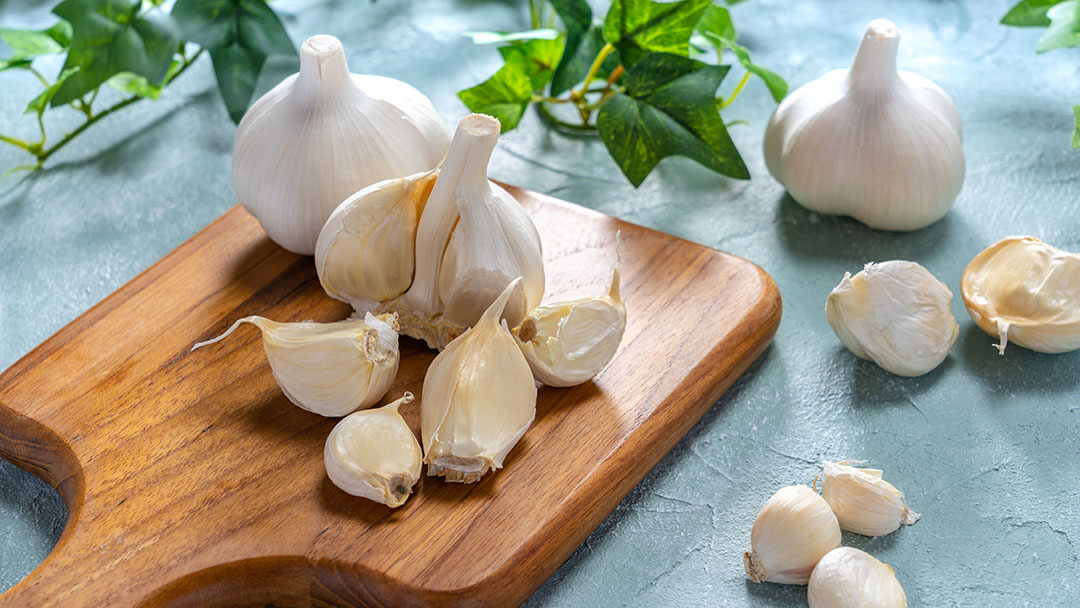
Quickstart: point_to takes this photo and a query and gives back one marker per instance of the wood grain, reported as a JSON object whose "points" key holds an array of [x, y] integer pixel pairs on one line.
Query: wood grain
{"points": [[191, 481]]}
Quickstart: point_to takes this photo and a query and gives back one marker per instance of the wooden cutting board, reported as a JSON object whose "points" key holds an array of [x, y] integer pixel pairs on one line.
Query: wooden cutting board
{"points": [[190, 480]]}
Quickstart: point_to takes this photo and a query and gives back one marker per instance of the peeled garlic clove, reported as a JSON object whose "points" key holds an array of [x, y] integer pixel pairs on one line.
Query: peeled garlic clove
{"points": [[862, 501], [374, 454], [1026, 291], [895, 314], [321, 135], [567, 343], [849, 578], [329, 369], [479, 398], [882, 146], [792, 532]]}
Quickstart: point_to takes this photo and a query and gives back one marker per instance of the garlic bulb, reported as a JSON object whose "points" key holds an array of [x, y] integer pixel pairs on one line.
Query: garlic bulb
{"points": [[1022, 289], [478, 400], [862, 501], [567, 343], [792, 532], [321, 135], [881, 146], [849, 578], [329, 369], [374, 454], [895, 314]]}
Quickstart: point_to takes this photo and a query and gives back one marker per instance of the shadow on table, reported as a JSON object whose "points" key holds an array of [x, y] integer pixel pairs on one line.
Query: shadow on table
{"points": [[1019, 370], [874, 386]]}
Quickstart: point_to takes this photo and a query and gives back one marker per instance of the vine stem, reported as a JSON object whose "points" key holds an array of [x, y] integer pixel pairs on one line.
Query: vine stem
{"points": [[593, 69], [548, 117], [738, 88]]}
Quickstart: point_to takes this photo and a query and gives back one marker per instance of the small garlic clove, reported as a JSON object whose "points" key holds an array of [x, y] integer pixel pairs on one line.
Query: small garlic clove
{"points": [[862, 501], [895, 314], [1023, 290], [330, 369], [792, 532], [849, 578], [374, 454]]}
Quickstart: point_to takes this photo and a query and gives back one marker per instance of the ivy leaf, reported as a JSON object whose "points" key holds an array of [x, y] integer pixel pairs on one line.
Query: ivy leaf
{"points": [[637, 27], [240, 35], [1064, 30], [537, 57], [1029, 13], [1076, 129], [668, 109], [38, 104], [505, 95], [718, 29], [28, 44], [113, 36], [133, 84], [505, 37], [576, 16]]}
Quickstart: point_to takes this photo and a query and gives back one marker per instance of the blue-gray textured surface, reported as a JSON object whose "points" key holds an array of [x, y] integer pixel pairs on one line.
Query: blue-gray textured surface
{"points": [[985, 446]]}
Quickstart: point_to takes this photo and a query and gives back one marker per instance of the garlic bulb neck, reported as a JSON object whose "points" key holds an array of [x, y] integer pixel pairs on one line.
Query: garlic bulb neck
{"points": [[324, 71], [874, 65]]}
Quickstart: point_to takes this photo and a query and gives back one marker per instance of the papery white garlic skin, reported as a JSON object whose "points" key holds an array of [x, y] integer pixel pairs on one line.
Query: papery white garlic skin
{"points": [[895, 314], [374, 454], [321, 135], [1023, 290], [792, 532], [329, 369], [849, 578], [862, 501], [882, 146], [479, 399]]}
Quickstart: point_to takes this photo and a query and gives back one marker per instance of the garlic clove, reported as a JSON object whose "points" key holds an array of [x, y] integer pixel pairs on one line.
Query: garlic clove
{"points": [[321, 135], [374, 454], [895, 314], [479, 399], [568, 343], [792, 532], [882, 146], [862, 501], [849, 578], [329, 369], [1026, 291]]}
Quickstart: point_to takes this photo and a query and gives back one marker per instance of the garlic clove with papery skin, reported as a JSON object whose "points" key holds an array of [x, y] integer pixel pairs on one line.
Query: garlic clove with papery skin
{"points": [[792, 532], [895, 314], [321, 135], [862, 501], [1023, 290], [330, 369], [374, 454], [881, 146], [849, 578]]}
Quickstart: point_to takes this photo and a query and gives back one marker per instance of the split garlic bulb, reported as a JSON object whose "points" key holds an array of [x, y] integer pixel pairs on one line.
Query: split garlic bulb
{"points": [[1026, 291], [792, 532], [862, 501], [374, 454], [321, 135], [895, 314], [329, 369], [479, 398], [849, 578], [881, 146], [567, 343]]}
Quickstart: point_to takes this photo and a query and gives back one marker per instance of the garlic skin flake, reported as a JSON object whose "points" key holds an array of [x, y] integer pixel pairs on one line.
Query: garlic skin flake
{"points": [[849, 578], [479, 399], [330, 369], [862, 501], [374, 454], [881, 146], [792, 532], [1024, 290], [321, 135], [895, 314]]}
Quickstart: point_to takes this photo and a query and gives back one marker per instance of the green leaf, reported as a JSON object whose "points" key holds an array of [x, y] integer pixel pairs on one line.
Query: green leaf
{"points": [[133, 84], [1029, 13], [15, 64], [717, 28], [35, 43], [1064, 30], [504, 37], [576, 17], [537, 57], [716, 23], [668, 109], [637, 27], [113, 36], [240, 35], [37, 104], [1076, 129], [505, 95]]}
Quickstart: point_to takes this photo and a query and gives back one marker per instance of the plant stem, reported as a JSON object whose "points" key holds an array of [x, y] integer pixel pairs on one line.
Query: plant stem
{"points": [[593, 69], [15, 142], [738, 88], [534, 17], [548, 117]]}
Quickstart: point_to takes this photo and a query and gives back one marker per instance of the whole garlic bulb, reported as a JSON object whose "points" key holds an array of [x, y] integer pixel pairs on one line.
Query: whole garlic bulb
{"points": [[329, 369], [895, 314], [881, 146], [374, 454], [321, 135], [862, 501], [792, 532], [1022, 289], [849, 578]]}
